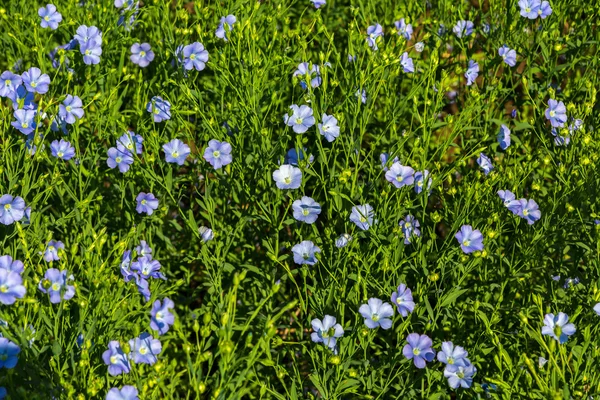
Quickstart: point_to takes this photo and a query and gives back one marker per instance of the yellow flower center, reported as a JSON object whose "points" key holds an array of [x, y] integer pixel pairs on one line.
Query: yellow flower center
{"points": [[47, 18], [113, 359], [192, 57], [3, 289], [142, 53], [25, 125], [287, 180], [60, 154], [305, 211], [175, 154], [118, 160], [525, 212], [298, 121], [56, 286], [552, 113], [216, 154], [68, 108], [33, 84], [466, 243], [143, 350], [7, 207], [143, 202]]}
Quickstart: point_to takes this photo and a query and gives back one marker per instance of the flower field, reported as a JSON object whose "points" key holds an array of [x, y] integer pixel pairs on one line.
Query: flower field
{"points": [[299, 199]]}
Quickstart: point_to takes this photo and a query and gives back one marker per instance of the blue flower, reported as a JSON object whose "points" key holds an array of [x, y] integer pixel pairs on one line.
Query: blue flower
{"points": [[377, 314], [176, 151], [146, 267], [127, 392], [306, 210], [560, 138], [9, 83], [410, 228], [195, 56], [206, 233], [472, 72], [301, 118], [362, 95], [218, 154], [9, 353], [12, 209], [71, 109], [146, 203], [11, 286], [460, 376], [318, 3], [420, 178], [144, 349], [3, 393], [116, 359], [142, 287], [91, 50], [313, 73], [160, 317], [287, 177], [228, 21], [463, 29], [384, 158], [160, 109], [508, 55], [129, 142], [326, 331], [343, 240], [529, 8], [453, 355], [597, 309], [7, 263], [62, 149], [35, 81], [121, 159], [529, 210], [141, 54], [373, 32], [556, 113], [407, 63], [291, 157], [508, 198], [403, 300], [24, 121], [557, 327], [513, 113], [50, 17], [545, 10], [363, 216], [56, 285], [129, 4], [399, 175], [329, 127], [305, 253], [485, 163], [143, 249], [470, 240], [51, 251], [504, 137], [21, 98], [85, 34], [405, 30], [418, 349]]}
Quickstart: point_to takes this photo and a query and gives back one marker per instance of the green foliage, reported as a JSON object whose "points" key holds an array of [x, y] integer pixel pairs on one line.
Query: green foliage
{"points": [[243, 307]]}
